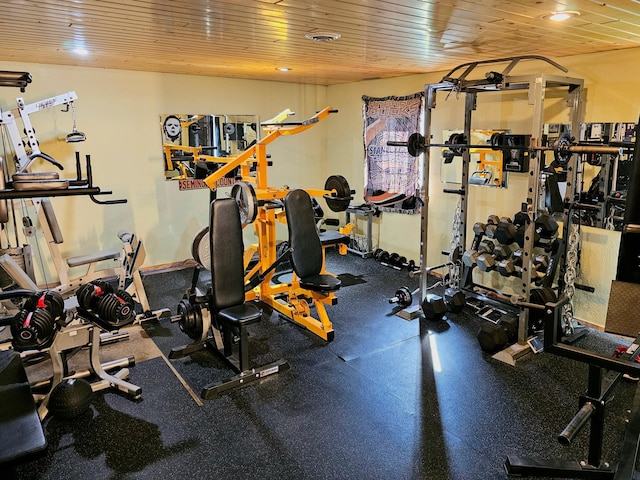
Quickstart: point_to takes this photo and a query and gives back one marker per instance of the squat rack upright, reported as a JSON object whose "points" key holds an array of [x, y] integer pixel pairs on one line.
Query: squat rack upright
{"points": [[536, 86]]}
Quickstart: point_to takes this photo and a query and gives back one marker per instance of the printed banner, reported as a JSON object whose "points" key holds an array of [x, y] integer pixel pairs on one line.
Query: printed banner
{"points": [[392, 176]]}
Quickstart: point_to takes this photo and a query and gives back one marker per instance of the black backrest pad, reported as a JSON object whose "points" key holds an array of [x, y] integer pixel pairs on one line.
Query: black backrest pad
{"points": [[226, 251], [306, 249]]}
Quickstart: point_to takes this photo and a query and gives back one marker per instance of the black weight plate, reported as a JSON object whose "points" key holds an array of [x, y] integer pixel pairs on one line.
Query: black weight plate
{"points": [[342, 198], [415, 144], [561, 151]]}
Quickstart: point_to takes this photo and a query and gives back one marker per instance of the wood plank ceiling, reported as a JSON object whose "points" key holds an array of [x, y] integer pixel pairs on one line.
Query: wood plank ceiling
{"points": [[252, 38]]}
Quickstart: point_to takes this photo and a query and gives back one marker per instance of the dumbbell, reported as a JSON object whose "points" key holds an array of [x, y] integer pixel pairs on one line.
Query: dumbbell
{"points": [[502, 252], [495, 336], [492, 225], [513, 266], [540, 263], [546, 228], [505, 232], [493, 220], [479, 229], [488, 261], [403, 297], [376, 254], [433, 307], [520, 220], [388, 259], [545, 231], [470, 257], [454, 299], [401, 262], [508, 268]]}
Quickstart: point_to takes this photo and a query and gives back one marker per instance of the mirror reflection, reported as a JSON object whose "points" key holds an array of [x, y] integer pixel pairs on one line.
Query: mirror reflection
{"points": [[195, 145], [487, 167], [603, 178]]}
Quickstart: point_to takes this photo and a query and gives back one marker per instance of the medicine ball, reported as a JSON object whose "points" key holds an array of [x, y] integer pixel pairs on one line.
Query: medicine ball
{"points": [[70, 398]]}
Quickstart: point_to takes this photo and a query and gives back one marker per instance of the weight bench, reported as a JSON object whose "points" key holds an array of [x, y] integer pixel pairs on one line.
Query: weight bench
{"points": [[222, 324], [21, 433]]}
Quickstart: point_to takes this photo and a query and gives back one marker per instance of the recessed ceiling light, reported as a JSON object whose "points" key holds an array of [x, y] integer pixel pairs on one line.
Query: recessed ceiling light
{"points": [[284, 69], [81, 51], [560, 16], [323, 36]]}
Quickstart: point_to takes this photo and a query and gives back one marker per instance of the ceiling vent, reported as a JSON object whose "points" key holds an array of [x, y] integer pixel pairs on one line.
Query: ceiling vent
{"points": [[323, 36]]}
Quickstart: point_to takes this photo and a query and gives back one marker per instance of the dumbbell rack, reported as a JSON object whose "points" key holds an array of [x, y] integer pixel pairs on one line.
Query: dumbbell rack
{"points": [[536, 85]]}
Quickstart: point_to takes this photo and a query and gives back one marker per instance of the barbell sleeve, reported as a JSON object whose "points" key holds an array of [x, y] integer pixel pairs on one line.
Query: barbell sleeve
{"points": [[576, 423]]}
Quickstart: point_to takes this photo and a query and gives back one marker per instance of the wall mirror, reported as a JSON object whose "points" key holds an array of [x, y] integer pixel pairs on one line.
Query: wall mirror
{"points": [[602, 178], [486, 167], [195, 145]]}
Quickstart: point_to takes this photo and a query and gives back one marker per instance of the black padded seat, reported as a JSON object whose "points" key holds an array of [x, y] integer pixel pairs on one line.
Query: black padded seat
{"points": [[333, 237], [21, 433], [242, 315], [321, 283], [305, 244]]}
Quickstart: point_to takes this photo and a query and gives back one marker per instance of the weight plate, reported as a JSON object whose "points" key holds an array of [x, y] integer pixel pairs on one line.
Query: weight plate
{"points": [[200, 248], [561, 151], [342, 198], [456, 139], [190, 319], [245, 196], [415, 144]]}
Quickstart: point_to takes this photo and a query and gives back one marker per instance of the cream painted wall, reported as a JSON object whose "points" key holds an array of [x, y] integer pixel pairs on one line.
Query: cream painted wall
{"points": [[119, 111], [611, 95]]}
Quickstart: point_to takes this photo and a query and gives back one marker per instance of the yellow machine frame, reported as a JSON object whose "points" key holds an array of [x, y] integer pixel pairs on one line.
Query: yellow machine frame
{"points": [[289, 299]]}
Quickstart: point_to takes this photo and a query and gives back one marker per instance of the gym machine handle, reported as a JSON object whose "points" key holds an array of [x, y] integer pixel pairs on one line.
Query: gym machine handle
{"points": [[576, 423], [106, 202], [46, 157], [457, 191]]}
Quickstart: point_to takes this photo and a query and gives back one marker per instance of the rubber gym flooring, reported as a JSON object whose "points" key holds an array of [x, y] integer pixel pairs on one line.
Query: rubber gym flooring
{"points": [[384, 400]]}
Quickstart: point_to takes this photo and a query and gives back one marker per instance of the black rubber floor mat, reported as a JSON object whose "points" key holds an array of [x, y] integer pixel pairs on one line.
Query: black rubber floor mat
{"points": [[349, 279]]}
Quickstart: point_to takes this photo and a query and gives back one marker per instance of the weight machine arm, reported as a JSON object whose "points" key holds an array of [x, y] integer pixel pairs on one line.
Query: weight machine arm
{"points": [[15, 79]]}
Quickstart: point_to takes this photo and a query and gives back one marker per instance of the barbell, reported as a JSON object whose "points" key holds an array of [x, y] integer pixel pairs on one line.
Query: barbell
{"points": [[562, 148]]}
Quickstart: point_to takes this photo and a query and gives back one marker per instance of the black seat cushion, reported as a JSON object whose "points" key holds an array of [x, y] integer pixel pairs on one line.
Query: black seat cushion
{"points": [[243, 314], [321, 283], [21, 431], [306, 249], [333, 237], [227, 250]]}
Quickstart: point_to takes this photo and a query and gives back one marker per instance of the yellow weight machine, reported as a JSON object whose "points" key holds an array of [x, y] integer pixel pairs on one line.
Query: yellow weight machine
{"points": [[261, 205]]}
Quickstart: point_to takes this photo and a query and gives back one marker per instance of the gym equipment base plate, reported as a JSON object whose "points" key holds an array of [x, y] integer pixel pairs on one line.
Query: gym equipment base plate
{"points": [[409, 313], [512, 353]]}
